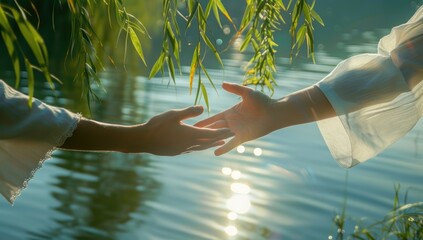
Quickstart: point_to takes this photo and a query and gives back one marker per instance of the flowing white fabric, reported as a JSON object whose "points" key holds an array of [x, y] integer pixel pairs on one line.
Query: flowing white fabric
{"points": [[27, 137], [377, 97]]}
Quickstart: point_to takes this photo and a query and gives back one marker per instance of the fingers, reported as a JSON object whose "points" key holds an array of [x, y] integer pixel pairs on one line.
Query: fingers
{"points": [[218, 124], [231, 144], [189, 112], [210, 120], [206, 146], [236, 89], [211, 134]]}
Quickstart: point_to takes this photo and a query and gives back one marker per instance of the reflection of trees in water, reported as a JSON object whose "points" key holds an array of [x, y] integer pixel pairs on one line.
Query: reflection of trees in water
{"points": [[98, 194]]}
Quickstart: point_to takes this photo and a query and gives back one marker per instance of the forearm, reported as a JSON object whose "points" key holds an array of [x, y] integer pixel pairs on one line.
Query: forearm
{"points": [[91, 135], [304, 106]]}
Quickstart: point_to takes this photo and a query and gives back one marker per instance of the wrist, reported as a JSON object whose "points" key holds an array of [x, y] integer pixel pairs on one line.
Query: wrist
{"points": [[277, 113], [135, 139]]}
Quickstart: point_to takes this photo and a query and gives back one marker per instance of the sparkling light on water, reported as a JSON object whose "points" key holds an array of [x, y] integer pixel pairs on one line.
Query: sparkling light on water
{"points": [[240, 188], [232, 216], [226, 171], [236, 175], [231, 230], [239, 204], [226, 30], [240, 149], [258, 152]]}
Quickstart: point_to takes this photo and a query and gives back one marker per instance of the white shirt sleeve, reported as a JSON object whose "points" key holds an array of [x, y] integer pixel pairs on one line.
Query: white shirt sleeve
{"points": [[377, 97], [27, 137]]}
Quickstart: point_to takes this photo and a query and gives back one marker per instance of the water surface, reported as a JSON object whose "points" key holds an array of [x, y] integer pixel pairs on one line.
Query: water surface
{"points": [[282, 186]]}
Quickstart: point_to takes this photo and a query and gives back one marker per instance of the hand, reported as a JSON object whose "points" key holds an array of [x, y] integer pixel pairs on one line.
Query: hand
{"points": [[249, 119], [166, 134]]}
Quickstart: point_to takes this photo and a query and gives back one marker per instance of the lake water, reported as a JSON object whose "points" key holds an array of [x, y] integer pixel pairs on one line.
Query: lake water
{"points": [[282, 186]]}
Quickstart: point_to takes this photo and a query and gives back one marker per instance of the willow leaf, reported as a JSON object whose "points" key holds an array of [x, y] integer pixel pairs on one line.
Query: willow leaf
{"points": [[216, 13], [197, 94], [29, 37], [300, 36], [316, 16], [13, 56], [193, 66], [192, 14], [136, 43], [171, 68], [157, 65], [208, 76], [223, 10], [31, 81], [206, 97], [246, 42]]}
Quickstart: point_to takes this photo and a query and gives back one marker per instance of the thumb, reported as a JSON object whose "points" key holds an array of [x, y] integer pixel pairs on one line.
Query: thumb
{"points": [[189, 112]]}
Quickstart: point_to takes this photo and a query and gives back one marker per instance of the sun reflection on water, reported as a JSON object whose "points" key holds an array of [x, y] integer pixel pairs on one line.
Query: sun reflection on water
{"points": [[235, 175], [240, 149], [239, 202], [240, 188], [231, 230], [232, 216]]}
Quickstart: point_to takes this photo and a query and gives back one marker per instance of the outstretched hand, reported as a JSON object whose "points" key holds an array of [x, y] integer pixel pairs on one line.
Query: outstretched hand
{"points": [[168, 135], [249, 119]]}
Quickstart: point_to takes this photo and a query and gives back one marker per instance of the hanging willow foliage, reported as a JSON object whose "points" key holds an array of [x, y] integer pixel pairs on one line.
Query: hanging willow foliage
{"points": [[84, 46], [261, 19]]}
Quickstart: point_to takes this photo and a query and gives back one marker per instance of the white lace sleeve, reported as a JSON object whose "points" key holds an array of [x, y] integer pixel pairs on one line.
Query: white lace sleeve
{"points": [[377, 97], [27, 137]]}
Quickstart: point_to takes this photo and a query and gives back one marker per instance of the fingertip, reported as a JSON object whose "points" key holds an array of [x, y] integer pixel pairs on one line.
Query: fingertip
{"points": [[220, 151], [198, 109]]}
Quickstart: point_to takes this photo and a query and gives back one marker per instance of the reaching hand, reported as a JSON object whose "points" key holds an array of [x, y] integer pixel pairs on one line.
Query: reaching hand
{"points": [[168, 135], [249, 119]]}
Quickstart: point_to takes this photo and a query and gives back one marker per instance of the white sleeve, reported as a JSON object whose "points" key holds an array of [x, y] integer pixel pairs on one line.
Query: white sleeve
{"points": [[377, 97], [27, 137]]}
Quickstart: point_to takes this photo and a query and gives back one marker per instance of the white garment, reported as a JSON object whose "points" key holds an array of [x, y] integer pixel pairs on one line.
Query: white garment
{"points": [[377, 97], [27, 137]]}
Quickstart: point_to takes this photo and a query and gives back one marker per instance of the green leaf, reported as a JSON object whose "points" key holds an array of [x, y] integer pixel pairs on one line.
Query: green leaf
{"points": [[307, 14], [30, 37], [316, 16], [197, 94], [300, 36], [157, 65], [192, 14], [208, 76], [193, 66], [136, 43], [31, 81], [223, 10], [216, 13], [171, 68], [206, 97], [14, 57], [246, 41]]}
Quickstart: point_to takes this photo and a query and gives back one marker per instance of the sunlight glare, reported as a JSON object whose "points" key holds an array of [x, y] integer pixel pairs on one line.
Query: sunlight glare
{"points": [[240, 149], [258, 152], [226, 171], [226, 30], [238, 204], [232, 216], [231, 230], [236, 175], [240, 188]]}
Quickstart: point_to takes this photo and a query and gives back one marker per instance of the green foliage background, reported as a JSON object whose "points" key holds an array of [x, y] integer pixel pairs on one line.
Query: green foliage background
{"points": [[20, 24]]}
